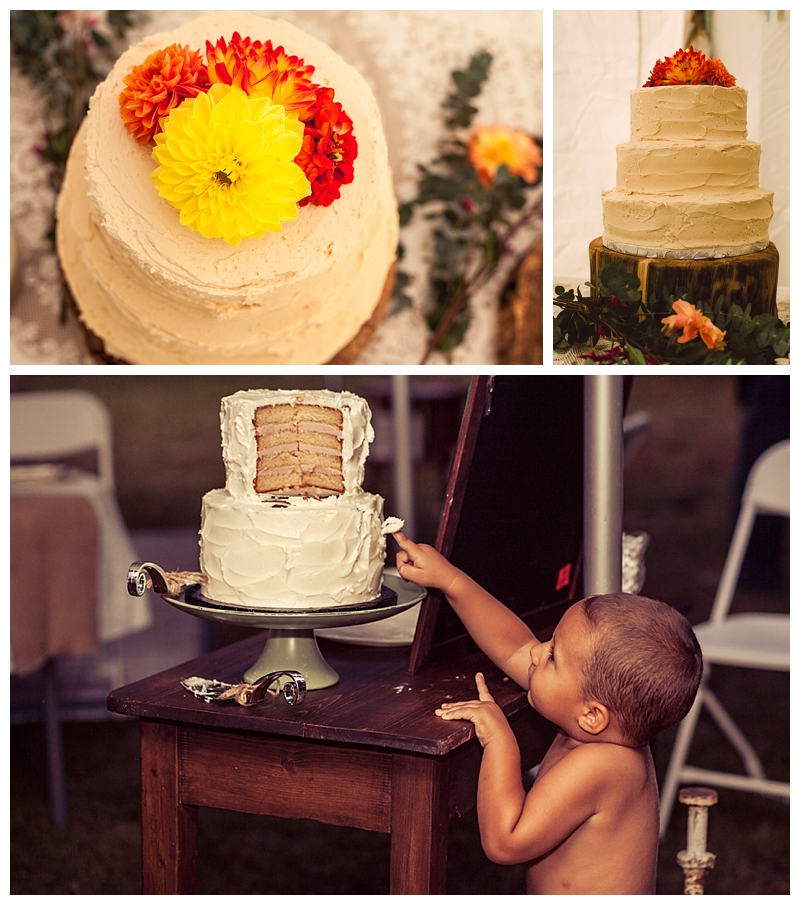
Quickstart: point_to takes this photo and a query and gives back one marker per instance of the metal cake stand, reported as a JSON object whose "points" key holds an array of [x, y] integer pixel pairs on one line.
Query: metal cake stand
{"points": [[292, 644]]}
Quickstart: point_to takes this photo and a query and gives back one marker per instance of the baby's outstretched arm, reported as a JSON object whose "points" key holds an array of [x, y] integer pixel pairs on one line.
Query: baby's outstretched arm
{"points": [[500, 634]]}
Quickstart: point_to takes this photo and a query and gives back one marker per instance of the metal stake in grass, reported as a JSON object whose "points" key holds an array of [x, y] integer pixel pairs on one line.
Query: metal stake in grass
{"points": [[696, 861]]}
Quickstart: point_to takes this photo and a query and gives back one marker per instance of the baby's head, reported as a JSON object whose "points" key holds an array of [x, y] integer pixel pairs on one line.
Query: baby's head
{"points": [[645, 663]]}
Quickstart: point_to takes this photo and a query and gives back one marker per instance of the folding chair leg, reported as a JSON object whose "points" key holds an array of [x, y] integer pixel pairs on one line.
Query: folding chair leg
{"points": [[53, 746], [750, 759], [680, 751]]}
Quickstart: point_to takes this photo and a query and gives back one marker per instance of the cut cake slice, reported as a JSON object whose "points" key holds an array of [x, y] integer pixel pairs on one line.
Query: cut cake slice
{"points": [[299, 449]]}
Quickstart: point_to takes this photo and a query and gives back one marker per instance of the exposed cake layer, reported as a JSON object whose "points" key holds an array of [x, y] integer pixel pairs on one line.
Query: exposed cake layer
{"points": [[299, 449], [155, 292], [298, 553], [689, 112], [294, 442], [695, 167], [685, 222]]}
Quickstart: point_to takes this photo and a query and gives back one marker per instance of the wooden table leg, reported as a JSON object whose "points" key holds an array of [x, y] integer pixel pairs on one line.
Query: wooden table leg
{"points": [[420, 821], [169, 828]]}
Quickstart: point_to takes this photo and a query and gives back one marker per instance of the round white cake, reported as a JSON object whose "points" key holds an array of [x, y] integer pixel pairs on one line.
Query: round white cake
{"points": [[313, 541], [687, 182], [293, 553], [156, 292]]}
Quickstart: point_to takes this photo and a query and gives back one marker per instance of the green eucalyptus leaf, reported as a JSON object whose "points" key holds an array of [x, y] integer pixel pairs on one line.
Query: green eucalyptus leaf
{"points": [[635, 355]]}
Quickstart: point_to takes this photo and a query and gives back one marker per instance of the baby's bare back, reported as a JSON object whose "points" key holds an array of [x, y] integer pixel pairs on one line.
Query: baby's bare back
{"points": [[614, 851]]}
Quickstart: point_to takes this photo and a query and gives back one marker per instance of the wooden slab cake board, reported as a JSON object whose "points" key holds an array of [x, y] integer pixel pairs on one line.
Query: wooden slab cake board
{"points": [[513, 512], [741, 280]]}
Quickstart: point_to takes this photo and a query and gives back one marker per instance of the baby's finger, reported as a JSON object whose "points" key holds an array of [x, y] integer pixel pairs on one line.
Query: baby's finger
{"points": [[405, 543], [453, 712], [483, 688]]}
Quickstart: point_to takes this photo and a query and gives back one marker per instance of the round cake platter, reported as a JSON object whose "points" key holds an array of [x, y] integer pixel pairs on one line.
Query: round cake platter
{"points": [[292, 644]]}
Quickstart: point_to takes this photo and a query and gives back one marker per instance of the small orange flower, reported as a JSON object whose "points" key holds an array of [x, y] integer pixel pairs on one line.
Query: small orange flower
{"points": [[693, 323], [717, 74], [491, 147], [263, 71], [684, 67], [688, 318], [711, 335], [165, 79]]}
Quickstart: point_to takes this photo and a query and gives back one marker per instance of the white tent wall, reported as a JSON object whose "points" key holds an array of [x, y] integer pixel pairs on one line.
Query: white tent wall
{"points": [[600, 56]]}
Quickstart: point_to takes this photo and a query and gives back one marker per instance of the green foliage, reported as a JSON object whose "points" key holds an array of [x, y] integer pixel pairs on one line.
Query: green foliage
{"points": [[468, 85], [66, 60], [635, 328], [473, 224]]}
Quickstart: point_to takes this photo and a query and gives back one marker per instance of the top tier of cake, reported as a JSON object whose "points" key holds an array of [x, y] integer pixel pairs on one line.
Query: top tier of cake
{"points": [[294, 443], [689, 113], [687, 181]]}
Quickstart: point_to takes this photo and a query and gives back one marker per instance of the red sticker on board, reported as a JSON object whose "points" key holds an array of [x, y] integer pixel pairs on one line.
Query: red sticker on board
{"points": [[563, 576]]}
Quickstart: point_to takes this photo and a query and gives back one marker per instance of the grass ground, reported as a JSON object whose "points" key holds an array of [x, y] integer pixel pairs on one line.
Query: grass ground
{"points": [[678, 489]]}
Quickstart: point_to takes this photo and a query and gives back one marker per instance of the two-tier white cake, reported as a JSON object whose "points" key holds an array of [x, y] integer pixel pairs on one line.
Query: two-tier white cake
{"points": [[293, 528]]}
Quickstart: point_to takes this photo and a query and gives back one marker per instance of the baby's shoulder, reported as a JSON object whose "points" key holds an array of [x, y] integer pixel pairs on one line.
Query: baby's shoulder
{"points": [[612, 758]]}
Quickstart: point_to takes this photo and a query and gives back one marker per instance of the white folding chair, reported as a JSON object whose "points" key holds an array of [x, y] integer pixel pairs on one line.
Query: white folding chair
{"points": [[750, 640], [51, 425]]}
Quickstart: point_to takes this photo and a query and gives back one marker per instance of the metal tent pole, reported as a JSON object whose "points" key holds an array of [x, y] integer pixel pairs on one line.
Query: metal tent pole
{"points": [[403, 468], [602, 484]]}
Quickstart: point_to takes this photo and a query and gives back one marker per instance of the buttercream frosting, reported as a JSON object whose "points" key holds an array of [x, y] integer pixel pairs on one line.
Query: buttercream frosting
{"points": [[292, 553], [687, 181], [683, 112], [239, 444], [155, 292]]}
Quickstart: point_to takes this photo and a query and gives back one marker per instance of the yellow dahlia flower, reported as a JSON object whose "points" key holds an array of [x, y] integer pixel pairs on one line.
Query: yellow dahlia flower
{"points": [[226, 161]]}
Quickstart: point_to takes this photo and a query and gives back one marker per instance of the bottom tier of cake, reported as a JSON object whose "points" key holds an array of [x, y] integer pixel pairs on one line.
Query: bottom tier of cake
{"points": [[750, 279], [292, 552]]}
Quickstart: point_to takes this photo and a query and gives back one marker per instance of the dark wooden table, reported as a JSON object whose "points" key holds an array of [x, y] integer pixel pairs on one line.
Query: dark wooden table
{"points": [[367, 753]]}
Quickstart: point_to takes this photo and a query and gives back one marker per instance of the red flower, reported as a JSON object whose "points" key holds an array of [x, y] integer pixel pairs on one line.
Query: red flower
{"points": [[164, 80], [329, 149]]}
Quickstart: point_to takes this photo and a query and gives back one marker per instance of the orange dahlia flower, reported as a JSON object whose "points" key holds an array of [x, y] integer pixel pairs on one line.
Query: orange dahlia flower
{"points": [[491, 147], [329, 149], [163, 81], [717, 74], [263, 71], [693, 323]]}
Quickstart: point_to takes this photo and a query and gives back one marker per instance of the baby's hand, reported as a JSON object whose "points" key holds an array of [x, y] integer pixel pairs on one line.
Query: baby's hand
{"points": [[423, 565], [486, 716]]}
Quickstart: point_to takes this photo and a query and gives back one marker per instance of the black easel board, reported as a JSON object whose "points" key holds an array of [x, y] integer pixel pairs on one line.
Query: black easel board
{"points": [[513, 513]]}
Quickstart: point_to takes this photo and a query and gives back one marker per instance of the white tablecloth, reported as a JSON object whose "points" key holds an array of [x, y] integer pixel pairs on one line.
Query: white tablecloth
{"points": [[407, 58], [119, 614]]}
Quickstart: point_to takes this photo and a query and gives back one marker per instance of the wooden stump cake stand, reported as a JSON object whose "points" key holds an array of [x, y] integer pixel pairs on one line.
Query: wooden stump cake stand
{"points": [[741, 280]]}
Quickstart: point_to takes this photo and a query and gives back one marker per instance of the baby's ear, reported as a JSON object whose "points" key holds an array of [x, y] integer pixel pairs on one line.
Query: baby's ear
{"points": [[594, 718]]}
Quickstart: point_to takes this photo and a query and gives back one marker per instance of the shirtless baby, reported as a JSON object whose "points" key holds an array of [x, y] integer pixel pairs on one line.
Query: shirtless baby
{"points": [[618, 670]]}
